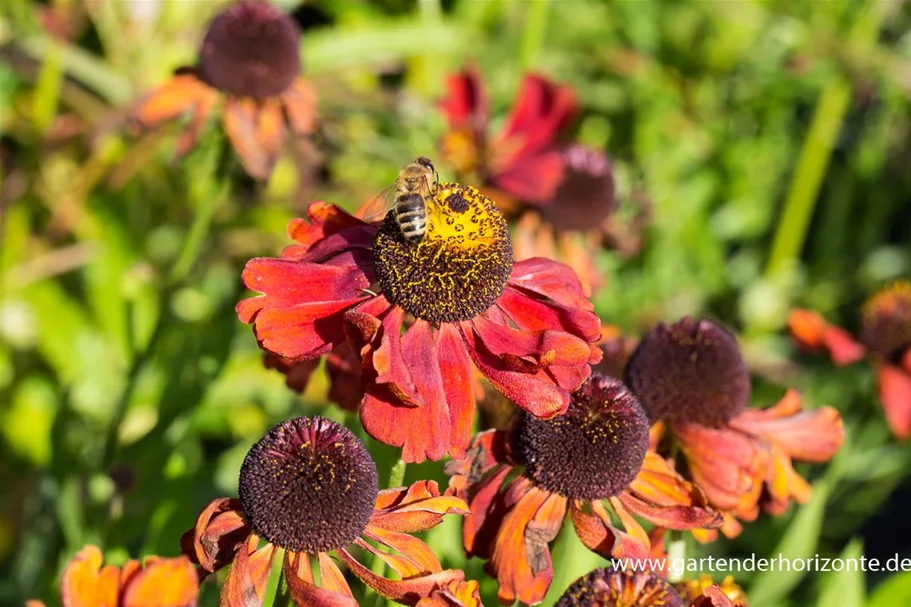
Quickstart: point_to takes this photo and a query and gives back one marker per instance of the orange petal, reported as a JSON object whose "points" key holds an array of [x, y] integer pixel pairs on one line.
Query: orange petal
{"points": [[420, 559], [245, 585], [812, 332], [813, 436], [408, 591], [300, 106], [252, 134], [201, 112], [330, 576], [417, 508], [456, 593], [172, 99], [305, 592], [599, 535], [86, 584], [218, 530], [895, 392], [521, 555], [163, 583]]}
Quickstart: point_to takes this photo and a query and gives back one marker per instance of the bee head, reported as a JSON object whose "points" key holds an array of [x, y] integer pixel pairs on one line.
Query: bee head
{"points": [[425, 162]]}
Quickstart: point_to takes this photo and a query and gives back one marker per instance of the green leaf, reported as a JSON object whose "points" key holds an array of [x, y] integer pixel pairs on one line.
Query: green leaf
{"points": [[846, 587], [799, 541], [894, 592]]}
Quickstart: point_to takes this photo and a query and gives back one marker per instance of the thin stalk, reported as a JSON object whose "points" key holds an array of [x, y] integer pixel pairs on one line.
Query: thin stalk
{"points": [[273, 596], [396, 479], [47, 89], [816, 154], [533, 35]]}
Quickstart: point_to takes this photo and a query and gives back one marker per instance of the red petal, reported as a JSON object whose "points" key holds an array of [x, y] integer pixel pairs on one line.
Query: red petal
{"points": [[521, 556], [671, 517], [433, 427], [533, 179], [535, 315], [324, 220], [541, 109], [551, 279], [895, 392], [466, 101]]}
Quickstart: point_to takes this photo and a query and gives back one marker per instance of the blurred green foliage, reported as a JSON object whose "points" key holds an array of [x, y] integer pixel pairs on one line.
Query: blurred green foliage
{"points": [[769, 138]]}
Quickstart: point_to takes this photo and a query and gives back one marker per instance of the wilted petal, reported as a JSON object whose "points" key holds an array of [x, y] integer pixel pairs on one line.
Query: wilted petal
{"points": [[251, 127], [416, 508], [599, 535], [521, 556], [408, 591], [246, 582], [219, 529], [456, 593]]}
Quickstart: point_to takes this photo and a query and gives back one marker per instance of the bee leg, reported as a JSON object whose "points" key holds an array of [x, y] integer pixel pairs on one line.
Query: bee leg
{"points": [[369, 291]]}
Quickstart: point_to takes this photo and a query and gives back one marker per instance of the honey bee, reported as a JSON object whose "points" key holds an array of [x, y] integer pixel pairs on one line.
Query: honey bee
{"points": [[416, 187]]}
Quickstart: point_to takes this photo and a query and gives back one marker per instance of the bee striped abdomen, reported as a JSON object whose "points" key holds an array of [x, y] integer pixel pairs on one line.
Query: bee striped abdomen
{"points": [[411, 215]]}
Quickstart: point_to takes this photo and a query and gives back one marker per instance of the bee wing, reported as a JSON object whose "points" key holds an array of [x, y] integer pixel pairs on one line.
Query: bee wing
{"points": [[376, 209]]}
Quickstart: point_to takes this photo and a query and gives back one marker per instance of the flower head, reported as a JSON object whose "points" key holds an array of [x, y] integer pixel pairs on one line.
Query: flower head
{"points": [[158, 582], [620, 588], [884, 337], [310, 488], [693, 381], [690, 371], [703, 592], [249, 57], [565, 191], [589, 462], [417, 327]]}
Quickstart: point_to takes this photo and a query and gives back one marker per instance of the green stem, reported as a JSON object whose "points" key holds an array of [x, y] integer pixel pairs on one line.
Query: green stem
{"points": [[47, 89], [816, 153], [274, 597], [396, 479], [533, 35]]}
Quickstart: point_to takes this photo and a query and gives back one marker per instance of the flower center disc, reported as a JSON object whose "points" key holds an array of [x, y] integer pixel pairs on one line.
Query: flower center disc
{"points": [[610, 588], [309, 485], [691, 371], [886, 323], [593, 451], [251, 50], [458, 269]]}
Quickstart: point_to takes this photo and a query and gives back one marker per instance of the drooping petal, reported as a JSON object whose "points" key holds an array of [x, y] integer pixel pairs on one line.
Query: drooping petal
{"points": [[598, 534], [420, 419], [255, 132], [299, 102], [163, 583], [330, 576], [812, 332], [300, 312], [219, 529], [671, 517], [201, 112], [812, 436], [86, 584], [454, 594], [479, 531], [728, 465], [552, 280], [323, 219], [466, 102], [173, 98], [246, 582], [533, 178], [541, 109], [414, 557], [305, 592], [409, 591], [521, 556], [416, 508], [895, 393]]}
